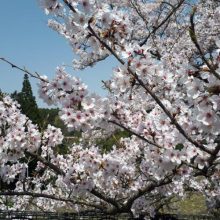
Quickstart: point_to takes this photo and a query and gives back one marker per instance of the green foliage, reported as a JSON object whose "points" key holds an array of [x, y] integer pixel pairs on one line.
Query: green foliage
{"points": [[51, 116], [107, 143], [48, 116], [2, 94], [179, 147], [62, 149], [192, 204], [27, 102]]}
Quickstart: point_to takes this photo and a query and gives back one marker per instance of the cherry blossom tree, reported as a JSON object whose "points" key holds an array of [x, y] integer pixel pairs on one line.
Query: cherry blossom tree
{"points": [[165, 91]]}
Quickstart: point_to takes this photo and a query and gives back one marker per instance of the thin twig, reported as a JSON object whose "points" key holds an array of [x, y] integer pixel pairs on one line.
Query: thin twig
{"points": [[36, 75], [162, 23], [194, 39], [58, 171], [134, 133], [152, 94], [70, 6]]}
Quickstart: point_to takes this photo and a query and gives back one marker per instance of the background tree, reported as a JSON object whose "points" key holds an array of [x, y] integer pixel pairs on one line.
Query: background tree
{"points": [[27, 102]]}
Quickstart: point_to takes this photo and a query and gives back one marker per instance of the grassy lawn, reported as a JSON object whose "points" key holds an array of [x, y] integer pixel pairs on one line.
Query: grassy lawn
{"points": [[193, 203]]}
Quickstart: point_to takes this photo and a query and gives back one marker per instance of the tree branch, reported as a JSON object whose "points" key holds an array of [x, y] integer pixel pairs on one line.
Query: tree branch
{"points": [[70, 6], [43, 195], [162, 23], [36, 75], [104, 198], [166, 111], [139, 12], [148, 188], [61, 172], [134, 133], [194, 39], [46, 163], [152, 94]]}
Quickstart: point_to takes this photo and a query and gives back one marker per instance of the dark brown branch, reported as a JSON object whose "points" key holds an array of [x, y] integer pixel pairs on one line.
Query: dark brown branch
{"points": [[36, 75], [148, 188], [35, 195], [46, 163], [209, 168], [152, 94], [214, 155], [43, 195], [194, 39], [167, 3], [60, 172], [166, 111], [162, 23], [104, 44], [69, 6], [134, 133], [166, 180], [139, 13], [104, 198]]}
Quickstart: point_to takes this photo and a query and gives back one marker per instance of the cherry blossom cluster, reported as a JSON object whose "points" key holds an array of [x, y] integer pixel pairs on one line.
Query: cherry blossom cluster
{"points": [[19, 135], [17, 132], [64, 89], [165, 92]]}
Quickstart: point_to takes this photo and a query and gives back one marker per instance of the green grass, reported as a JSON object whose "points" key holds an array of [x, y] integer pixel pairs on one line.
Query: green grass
{"points": [[192, 204]]}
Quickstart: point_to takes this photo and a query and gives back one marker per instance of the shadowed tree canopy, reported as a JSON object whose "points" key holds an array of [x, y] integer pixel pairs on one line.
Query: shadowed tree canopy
{"points": [[27, 101], [1, 93]]}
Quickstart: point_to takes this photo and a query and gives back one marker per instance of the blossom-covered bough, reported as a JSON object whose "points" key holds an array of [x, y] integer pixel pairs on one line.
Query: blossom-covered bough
{"points": [[165, 91]]}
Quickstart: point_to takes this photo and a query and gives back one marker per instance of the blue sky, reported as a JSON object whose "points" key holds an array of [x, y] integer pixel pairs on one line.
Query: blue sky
{"points": [[26, 40]]}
